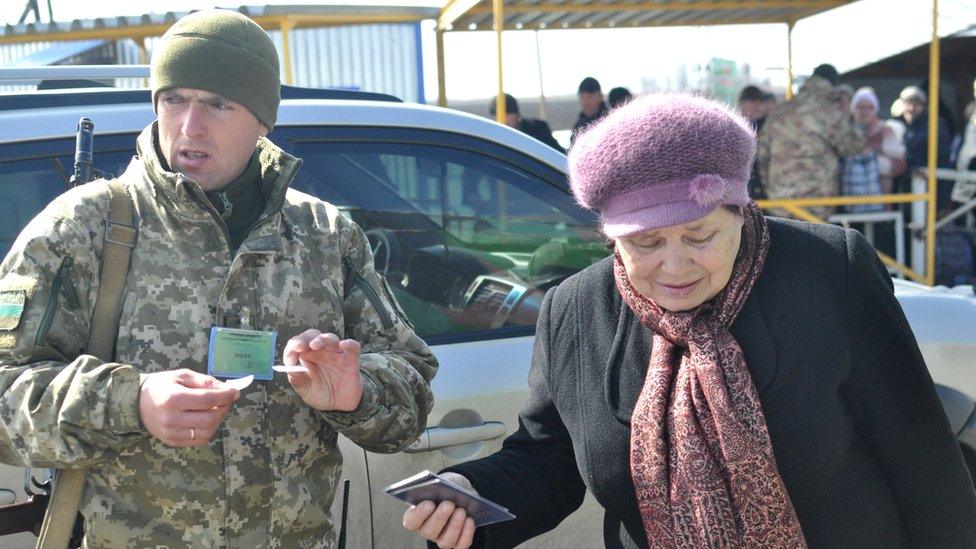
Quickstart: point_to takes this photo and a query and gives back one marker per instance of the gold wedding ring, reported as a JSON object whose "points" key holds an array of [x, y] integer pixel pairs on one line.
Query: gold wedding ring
{"points": [[193, 434]]}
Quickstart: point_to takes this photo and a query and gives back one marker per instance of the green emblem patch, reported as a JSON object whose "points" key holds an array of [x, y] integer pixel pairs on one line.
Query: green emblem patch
{"points": [[11, 308]]}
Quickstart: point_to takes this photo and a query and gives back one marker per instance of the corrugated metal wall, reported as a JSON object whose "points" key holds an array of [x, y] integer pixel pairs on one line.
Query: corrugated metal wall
{"points": [[12, 52], [376, 58], [122, 52], [127, 52]]}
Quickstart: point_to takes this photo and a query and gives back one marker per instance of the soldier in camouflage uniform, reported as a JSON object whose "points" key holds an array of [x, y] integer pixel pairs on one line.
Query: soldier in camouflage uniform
{"points": [[802, 141], [175, 457]]}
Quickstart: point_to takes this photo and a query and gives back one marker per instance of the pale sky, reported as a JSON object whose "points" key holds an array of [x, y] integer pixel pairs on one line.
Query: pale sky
{"points": [[848, 37]]}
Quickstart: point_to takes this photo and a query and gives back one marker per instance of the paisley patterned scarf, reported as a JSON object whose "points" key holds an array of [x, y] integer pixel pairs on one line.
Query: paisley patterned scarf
{"points": [[700, 455]]}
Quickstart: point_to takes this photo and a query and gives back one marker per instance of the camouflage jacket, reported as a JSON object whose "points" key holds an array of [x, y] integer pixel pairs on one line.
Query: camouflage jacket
{"points": [[269, 475], [802, 141]]}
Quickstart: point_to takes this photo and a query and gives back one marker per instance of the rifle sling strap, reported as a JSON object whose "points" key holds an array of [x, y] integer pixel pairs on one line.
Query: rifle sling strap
{"points": [[120, 238]]}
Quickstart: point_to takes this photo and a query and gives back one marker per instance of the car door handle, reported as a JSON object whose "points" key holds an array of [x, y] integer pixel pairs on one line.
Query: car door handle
{"points": [[435, 438]]}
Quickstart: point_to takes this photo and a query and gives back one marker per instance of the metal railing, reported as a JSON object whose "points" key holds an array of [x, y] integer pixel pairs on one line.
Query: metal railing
{"points": [[922, 198]]}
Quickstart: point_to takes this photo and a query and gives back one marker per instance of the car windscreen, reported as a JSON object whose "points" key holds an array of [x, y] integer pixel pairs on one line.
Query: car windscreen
{"points": [[467, 241]]}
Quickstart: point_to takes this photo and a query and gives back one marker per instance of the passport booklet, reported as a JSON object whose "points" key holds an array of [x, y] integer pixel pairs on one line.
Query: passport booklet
{"points": [[431, 486]]}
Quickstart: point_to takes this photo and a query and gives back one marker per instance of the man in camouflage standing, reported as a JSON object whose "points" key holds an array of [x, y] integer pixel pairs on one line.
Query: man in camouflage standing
{"points": [[176, 457], [802, 141]]}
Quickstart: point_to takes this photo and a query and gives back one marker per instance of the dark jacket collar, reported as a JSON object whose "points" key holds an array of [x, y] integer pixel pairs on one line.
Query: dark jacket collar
{"points": [[187, 199], [583, 119], [278, 169]]}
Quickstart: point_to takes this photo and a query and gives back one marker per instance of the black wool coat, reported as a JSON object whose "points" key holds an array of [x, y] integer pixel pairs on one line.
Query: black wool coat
{"points": [[859, 434], [539, 129]]}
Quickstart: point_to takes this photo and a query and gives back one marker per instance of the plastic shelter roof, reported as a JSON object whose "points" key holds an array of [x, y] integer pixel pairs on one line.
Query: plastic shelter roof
{"points": [[455, 15], [268, 16], [471, 15]]}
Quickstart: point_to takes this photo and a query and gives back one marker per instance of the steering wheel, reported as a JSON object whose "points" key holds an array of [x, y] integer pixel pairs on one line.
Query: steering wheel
{"points": [[386, 249]]}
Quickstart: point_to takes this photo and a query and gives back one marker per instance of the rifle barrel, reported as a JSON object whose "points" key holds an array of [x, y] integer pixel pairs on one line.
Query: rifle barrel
{"points": [[83, 152]]}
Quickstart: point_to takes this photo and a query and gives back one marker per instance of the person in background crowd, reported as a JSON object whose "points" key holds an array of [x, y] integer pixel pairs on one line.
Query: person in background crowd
{"points": [[592, 107], [915, 113], [619, 96], [882, 142], [843, 94], [873, 171], [802, 141], [768, 103], [897, 120], [538, 129], [751, 105], [967, 151], [945, 113]]}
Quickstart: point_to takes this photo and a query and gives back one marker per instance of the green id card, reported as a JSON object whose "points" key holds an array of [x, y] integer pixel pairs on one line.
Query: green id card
{"points": [[238, 353]]}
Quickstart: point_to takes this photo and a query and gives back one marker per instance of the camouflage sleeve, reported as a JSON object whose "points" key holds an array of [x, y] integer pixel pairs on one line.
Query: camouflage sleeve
{"points": [[396, 365], [843, 134], [58, 407]]}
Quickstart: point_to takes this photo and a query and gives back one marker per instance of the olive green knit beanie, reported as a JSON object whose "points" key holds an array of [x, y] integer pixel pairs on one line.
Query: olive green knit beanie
{"points": [[222, 52]]}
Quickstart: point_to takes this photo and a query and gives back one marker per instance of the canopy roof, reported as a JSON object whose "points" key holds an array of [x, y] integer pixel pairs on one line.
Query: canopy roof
{"points": [[472, 15], [279, 17], [456, 15]]}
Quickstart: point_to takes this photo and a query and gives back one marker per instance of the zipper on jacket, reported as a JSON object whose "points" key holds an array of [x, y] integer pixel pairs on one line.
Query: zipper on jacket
{"points": [[371, 294], [52, 302], [205, 203], [68, 285]]}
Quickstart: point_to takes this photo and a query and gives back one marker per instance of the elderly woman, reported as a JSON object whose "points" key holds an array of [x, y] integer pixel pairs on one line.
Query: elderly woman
{"points": [[723, 380], [882, 142]]}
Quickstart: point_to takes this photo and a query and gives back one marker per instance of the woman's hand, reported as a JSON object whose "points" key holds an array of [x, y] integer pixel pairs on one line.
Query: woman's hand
{"points": [[445, 524]]}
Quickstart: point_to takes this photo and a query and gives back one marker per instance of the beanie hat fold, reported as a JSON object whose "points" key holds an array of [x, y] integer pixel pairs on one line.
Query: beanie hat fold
{"points": [[222, 52], [661, 160]]}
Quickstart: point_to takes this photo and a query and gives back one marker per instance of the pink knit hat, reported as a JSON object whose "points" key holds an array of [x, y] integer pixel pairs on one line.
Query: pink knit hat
{"points": [[663, 159]]}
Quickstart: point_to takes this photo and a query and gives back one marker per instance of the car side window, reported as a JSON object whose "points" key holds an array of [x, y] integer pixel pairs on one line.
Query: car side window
{"points": [[26, 186], [31, 175], [467, 242]]}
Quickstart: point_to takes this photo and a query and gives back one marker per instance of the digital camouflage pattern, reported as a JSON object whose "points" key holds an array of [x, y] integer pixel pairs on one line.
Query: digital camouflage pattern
{"points": [[802, 141], [269, 475]]}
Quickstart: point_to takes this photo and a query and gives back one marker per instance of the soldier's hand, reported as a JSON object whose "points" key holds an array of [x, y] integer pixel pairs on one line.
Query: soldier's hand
{"points": [[333, 381], [184, 408], [448, 526]]}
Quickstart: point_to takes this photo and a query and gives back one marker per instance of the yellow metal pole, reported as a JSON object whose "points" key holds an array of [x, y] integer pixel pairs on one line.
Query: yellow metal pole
{"points": [[441, 73], [498, 6], [143, 56], [789, 60], [900, 198], [543, 112], [286, 26], [143, 52], [933, 146]]}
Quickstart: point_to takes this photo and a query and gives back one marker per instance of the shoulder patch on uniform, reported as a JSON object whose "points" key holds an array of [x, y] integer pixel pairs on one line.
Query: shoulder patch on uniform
{"points": [[11, 308], [14, 281]]}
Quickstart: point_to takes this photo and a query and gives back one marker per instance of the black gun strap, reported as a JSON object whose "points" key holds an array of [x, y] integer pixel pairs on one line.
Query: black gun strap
{"points": [[120, 238]]}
